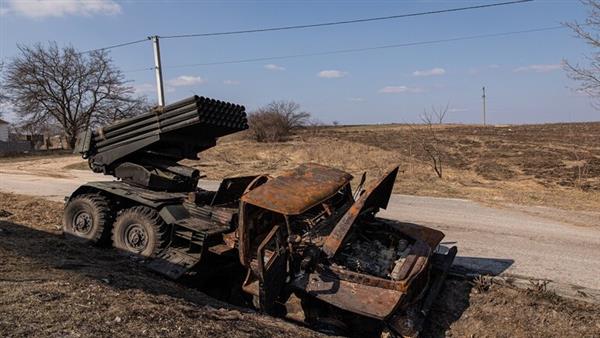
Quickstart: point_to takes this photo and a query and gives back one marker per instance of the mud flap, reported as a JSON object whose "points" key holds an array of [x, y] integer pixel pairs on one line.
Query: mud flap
{"points": [[272, 269]]}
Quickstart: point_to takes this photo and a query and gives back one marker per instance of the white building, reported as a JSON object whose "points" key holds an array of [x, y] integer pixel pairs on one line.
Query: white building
{"points": [[3, 131]]}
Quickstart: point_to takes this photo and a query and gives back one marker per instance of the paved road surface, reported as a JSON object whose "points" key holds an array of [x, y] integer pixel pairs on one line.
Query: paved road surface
{"points": [[518, 240], [508, 240]]}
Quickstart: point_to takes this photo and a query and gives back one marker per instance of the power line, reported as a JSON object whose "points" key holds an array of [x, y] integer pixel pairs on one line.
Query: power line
{"points": [[363, 49], [333, 23], [310, 25], [116, 46]]}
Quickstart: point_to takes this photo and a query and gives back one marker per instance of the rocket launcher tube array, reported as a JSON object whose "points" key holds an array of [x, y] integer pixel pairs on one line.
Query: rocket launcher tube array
{"points": [[192, 123]]}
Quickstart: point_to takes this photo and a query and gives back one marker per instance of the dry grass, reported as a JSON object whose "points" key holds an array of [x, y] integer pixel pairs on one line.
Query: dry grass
{"points": [[528, 165]]}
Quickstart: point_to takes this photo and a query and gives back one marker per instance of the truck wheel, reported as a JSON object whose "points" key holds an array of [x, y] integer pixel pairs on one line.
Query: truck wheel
{"points": [[88, 218], [141, 231]]}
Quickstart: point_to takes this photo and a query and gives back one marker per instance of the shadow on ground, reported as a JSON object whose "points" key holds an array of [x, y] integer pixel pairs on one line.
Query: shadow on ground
{"points": [[53, 251], [53, 287], [31, 255], [455, 297]]}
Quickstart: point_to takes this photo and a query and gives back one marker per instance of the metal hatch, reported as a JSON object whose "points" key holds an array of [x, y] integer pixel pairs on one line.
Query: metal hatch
{"points": [[377, 195]]}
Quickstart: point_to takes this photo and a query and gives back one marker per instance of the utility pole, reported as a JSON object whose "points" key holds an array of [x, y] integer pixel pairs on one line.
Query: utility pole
{"points": [[158, 71], [483, 97]]}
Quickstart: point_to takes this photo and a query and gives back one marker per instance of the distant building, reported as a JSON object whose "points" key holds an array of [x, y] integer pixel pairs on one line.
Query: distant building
{"points": [[3, 131], [9, 146]]}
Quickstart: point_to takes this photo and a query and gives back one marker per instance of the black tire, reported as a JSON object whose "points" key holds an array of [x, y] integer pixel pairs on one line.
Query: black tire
{"points": [[140, 231], [88, 218]]}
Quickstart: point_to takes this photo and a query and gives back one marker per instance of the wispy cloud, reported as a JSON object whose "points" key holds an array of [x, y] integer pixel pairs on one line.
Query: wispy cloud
{"points": [[401, 89], [538, 68], [59, 8], [356, 99], [275, 67], [186, 80], [332, 74], [231, 82], [457, 110], [430, 72], [145, 88]]}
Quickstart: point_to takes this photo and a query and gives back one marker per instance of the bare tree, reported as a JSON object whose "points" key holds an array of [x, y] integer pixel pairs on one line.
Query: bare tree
{"points": [[126, 108], [588, 75], [437, 114], [276, 121], [48, 84], [430, 142]]}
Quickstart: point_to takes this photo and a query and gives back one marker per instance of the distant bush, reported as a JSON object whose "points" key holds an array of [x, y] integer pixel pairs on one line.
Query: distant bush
{"points": [[276, 121]]}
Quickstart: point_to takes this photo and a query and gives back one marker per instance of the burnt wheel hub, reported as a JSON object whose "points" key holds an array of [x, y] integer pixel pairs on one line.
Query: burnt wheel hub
{"points": [[82, 222], [136, 237]]}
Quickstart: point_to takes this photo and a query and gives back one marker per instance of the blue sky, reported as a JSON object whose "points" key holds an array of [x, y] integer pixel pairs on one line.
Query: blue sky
{"points": [[522, 73]]}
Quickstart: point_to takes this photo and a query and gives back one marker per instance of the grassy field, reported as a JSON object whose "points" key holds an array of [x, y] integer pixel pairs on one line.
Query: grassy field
{"points": [[552, 164]]}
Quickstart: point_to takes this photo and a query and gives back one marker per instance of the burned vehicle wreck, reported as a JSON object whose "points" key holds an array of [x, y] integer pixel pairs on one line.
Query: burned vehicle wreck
{"points": [[301, 244], [305, 233]]}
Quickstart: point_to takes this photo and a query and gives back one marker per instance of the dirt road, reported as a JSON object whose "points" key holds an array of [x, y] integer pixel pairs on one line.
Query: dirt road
{"points": [[537, 242]]}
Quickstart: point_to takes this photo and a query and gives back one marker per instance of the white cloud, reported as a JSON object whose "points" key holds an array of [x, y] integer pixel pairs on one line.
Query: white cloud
{"points": [[144, 88], [430, 72], [538, 68], [186, 80], [58, 8], [457, 110], [356, 99], [4, 11], [400, 89], [271, 66], [231, 82], [331, 74]]}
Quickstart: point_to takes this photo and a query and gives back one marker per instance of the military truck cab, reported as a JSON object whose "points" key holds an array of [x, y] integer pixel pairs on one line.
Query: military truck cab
{"points": [[304, 236]]}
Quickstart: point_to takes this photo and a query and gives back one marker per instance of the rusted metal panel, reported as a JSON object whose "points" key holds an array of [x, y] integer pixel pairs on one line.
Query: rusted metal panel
{"points": [[366, 300], [298, 190], [377, 195]]}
